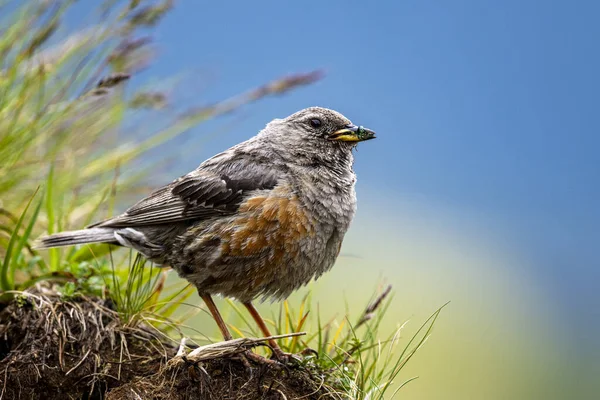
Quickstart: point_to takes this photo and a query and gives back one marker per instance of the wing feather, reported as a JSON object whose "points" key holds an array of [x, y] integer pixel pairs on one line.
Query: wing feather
{"points": [[211, 190]]}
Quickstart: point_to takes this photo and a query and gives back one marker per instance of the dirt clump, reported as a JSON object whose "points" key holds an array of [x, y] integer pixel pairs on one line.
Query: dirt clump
{"points": [[52, 348], [226, 379]]}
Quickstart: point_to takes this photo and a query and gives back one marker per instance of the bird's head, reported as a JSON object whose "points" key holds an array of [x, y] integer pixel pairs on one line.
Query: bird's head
{"points": [[316, 132], [323, 124]]}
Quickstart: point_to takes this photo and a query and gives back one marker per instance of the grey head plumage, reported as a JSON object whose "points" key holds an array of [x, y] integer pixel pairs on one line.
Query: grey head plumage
{"points": [[312, 136]]}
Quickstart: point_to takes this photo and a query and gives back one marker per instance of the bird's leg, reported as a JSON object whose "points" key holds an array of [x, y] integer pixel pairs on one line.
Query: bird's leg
{"points": [[214, 311], [279, 354]]}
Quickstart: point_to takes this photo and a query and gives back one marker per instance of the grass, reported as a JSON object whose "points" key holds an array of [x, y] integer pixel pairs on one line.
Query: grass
{"points": [[361, 362], [67, 99]]}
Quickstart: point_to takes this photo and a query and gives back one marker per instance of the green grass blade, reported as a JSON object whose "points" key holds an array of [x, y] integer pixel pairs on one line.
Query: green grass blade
{"points": [[25, 237], [50, 213], [5, 275], [402, 360]]}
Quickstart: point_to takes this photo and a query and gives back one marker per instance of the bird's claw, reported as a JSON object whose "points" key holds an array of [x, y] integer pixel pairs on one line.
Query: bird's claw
{"points": [[309, 351], [285, 358], [248, 355]]}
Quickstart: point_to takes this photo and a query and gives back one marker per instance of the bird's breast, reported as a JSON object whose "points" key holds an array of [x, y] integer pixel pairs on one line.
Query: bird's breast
{"points": [[273, 221], [330, 198]]}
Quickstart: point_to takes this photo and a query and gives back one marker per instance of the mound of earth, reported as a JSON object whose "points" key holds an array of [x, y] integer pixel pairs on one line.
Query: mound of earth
{"points": [[51, 348]]}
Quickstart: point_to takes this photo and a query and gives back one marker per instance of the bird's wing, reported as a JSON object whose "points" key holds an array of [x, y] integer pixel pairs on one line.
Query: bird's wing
{"points": [[211, 190]]}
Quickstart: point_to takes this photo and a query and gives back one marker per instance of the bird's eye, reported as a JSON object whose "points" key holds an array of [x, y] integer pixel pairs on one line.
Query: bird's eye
{"points": [[315, 123]]}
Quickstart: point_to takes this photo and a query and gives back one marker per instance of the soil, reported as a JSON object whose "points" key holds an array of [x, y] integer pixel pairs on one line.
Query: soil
{"points": [[79, 349], [223, 379]]}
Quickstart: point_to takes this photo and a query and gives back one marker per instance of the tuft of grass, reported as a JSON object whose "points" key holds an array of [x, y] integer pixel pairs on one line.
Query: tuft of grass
{"points": [[357, 359], [141, 293], [138, 288]]}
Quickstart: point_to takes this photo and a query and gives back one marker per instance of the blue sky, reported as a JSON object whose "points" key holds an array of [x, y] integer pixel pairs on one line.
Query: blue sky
{"points": [[488, 109]]}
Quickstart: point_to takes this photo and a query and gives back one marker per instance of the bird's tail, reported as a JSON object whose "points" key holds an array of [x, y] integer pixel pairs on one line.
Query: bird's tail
{"points": [[69, 238]]}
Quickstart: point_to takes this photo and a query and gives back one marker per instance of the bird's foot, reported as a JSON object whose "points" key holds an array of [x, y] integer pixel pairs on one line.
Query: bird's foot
{"points": [[308, 351], [291, 358], [248, 355], [283, 357]]}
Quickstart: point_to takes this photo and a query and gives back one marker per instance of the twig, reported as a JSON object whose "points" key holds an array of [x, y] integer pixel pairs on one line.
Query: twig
{"points": [[230, 347]]}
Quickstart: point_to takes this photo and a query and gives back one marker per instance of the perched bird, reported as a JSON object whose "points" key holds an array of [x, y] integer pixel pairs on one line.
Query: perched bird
{"points": [[258, 220]]}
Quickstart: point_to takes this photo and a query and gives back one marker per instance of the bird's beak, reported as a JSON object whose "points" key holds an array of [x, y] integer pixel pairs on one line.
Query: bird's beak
{"points": [[352, 133]]}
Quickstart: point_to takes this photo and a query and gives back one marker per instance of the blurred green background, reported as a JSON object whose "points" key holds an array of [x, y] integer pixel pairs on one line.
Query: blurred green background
{"points": [[481, 189]]}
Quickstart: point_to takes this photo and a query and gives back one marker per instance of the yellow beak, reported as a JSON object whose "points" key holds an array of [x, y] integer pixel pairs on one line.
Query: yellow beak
{"points": [[352, 133]]}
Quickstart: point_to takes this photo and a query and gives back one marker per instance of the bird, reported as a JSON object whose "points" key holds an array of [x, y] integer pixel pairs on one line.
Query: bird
{"points": [[256, 221]]}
